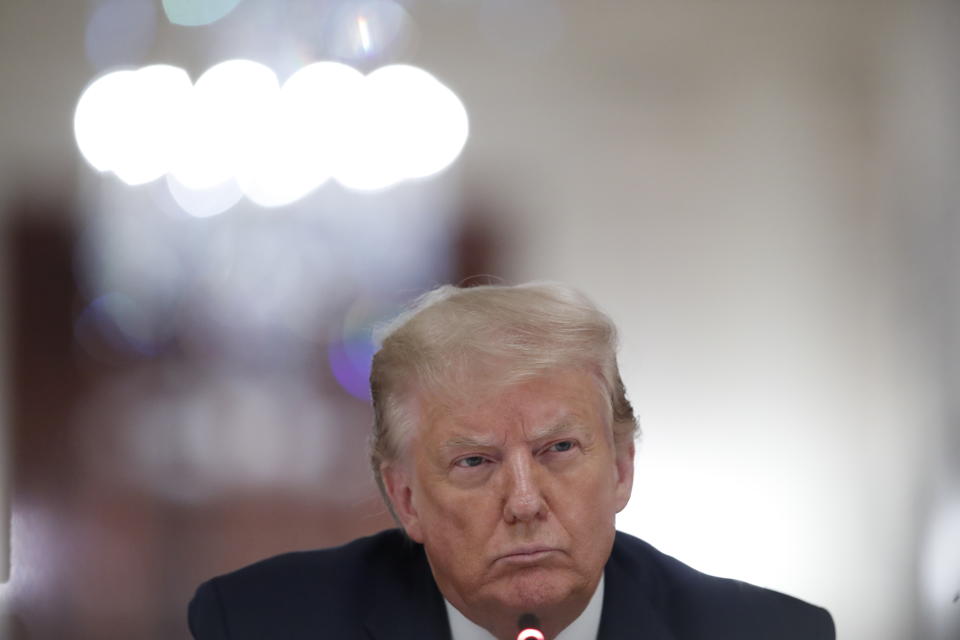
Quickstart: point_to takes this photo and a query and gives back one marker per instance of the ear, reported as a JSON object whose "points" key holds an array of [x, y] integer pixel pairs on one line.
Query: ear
{"points": [[396, 480], [624, 453]]}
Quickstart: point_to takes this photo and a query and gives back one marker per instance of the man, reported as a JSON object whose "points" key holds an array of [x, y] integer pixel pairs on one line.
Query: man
{"points": [[503, 444]]}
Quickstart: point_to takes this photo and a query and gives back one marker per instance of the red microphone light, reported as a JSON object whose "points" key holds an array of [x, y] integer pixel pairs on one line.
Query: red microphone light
{"points": [[530, 634]]}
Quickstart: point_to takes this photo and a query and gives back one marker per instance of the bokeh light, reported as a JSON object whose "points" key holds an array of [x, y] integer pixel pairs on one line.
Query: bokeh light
{"points": [[407, 125], [196, 13], [236, 127], [252, 284], [430, 123], [351, 352], [296, 152], [203, 203], [128, 121], [99, 109], [350, 363], [154, 105], [232, 104]]}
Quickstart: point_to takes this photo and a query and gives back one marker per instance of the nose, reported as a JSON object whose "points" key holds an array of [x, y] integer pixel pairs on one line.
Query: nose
{"points": [[524, 497]]}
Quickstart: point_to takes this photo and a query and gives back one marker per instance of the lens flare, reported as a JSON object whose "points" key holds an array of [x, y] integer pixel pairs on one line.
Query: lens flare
{"points": [[364, 29]]}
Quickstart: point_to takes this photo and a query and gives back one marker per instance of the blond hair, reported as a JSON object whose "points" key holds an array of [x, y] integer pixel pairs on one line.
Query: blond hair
{"points": [[450, 340]]}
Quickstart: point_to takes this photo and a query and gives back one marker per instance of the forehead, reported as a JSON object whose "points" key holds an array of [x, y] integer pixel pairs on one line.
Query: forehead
{"points": [[552, 401]]}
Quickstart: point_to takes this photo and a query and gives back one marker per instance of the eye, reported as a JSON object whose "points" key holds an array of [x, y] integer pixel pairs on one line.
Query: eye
{"points": [[470, 461], [560, 447]]}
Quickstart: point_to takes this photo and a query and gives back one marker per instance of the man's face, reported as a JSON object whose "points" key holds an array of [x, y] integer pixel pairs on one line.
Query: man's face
{"points": [[514, 495]]}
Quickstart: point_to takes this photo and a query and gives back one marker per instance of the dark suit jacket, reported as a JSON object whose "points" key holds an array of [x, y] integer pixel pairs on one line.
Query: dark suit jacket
{"points": [[381, 588]]}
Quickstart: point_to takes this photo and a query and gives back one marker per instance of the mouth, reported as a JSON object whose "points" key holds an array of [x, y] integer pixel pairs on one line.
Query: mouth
{"points": [[528, 555]]}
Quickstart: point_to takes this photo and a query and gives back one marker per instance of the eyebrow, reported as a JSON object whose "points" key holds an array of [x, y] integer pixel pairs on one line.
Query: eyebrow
{"points": [[566, 424], [468, 442]]}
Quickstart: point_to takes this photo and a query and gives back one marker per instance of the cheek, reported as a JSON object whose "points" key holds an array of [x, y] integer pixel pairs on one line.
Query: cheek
{"points": [[588, 499], [458, 515], [458, 532]]}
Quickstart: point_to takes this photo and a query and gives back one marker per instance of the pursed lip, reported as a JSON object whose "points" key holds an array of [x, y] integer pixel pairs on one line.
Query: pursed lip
{"points": [[527, 554]]}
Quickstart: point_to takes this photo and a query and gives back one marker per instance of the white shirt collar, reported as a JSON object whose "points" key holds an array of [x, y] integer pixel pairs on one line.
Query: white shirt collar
{"points": [[585, 627]]}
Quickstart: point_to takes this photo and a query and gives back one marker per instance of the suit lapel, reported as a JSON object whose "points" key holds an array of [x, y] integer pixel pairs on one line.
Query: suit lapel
{"points": [[405, 604], [628, 602]]}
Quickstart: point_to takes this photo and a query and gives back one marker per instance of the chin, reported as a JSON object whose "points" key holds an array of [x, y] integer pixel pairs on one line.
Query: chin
{"points": [[538, 588]]}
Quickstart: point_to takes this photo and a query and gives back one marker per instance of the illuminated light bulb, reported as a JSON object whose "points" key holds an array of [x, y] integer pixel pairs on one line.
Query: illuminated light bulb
{"points": [[367, 158], [236, 125], [530, 634], [390, 95], [230, 106], [305, 135], [155, 109], [442, 143], [95, 121], [275, 175], [407, 125], [428, 122]]}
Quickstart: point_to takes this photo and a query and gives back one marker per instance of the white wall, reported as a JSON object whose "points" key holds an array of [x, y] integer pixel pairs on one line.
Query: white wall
{"points": [[717, 175]]}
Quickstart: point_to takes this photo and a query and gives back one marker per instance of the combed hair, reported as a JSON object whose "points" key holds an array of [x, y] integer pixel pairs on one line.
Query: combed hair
{"points": [[453, 341]]}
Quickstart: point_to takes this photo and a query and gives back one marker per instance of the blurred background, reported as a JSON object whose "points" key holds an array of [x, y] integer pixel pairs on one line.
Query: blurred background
{"points": [[762, 193]]}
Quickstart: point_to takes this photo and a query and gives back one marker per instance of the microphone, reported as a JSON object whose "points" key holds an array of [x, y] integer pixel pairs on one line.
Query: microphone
{"points": [[529, 626]]}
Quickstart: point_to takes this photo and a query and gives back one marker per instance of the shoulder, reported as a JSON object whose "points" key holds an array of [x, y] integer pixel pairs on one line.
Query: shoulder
{"points": [[330, 572], [278, 596], [697, 605]]}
